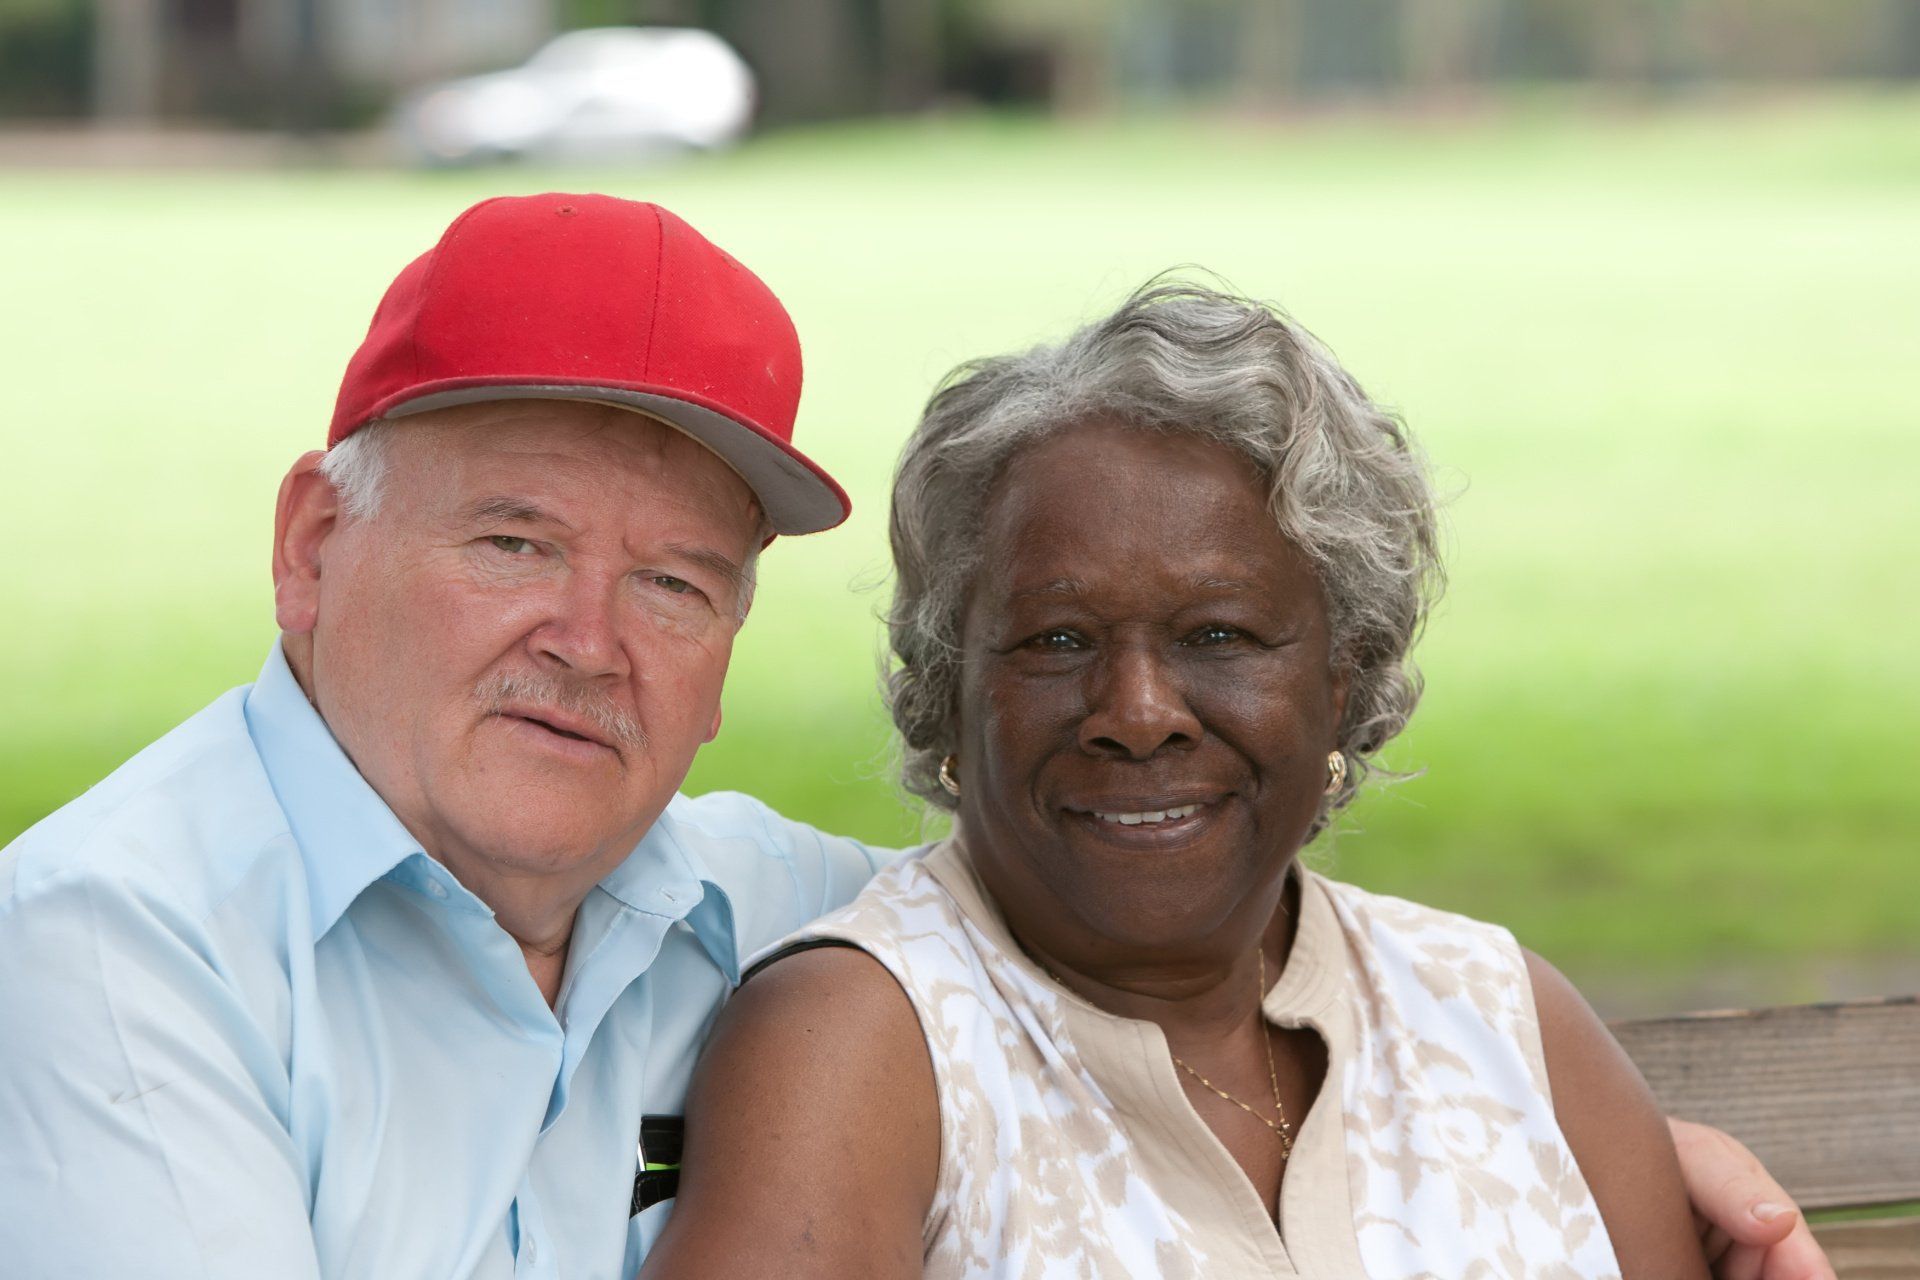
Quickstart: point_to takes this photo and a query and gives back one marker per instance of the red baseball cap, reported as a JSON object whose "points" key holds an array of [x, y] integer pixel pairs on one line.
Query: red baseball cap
{"points": [[587, 297]]}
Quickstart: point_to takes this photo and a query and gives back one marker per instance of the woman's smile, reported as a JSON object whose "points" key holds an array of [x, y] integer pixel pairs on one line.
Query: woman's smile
{"points": [[1149, 818], [1146, 827]]}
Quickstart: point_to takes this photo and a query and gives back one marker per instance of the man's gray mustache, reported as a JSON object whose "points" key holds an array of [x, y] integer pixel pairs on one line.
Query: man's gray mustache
{"points": [[531, 690]]}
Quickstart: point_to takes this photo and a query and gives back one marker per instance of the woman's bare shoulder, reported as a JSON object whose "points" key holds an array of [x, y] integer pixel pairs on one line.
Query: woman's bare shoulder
{"points": [[813, 1129], [835, 988]]}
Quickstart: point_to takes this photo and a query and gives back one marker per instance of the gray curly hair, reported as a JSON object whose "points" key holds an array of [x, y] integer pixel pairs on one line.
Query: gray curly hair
{"points": [[1346, 485]]}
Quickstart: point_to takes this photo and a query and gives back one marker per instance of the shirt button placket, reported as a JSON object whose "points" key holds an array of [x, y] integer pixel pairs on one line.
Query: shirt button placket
{"points": [[528, 1265], [534, 1260]]}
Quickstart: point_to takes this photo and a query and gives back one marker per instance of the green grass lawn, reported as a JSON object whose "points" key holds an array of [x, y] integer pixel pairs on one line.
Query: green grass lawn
{"points": [[1665, 363]]}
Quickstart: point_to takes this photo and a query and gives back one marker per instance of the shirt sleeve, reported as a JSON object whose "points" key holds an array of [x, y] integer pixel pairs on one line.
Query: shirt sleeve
{"points": [[141, 1103], [841, 865]]}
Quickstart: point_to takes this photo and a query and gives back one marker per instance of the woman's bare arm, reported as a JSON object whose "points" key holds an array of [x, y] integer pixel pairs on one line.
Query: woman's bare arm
{"points": [[813, 1131], [1617, 1135]]}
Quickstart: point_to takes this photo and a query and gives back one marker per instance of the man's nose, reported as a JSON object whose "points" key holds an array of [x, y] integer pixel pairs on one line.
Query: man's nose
{"points": [[581, 632], [1137, 707]]}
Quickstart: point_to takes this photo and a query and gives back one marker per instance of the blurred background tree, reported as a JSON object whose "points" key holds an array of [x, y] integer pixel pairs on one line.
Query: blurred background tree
{"points": [[46, 62], [313, 63]]}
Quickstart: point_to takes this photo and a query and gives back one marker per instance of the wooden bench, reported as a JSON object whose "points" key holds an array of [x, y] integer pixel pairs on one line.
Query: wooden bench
{"points": [[1827, 1095]]}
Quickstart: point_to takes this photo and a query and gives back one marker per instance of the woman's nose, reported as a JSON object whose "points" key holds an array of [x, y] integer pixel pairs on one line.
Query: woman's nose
{"points": [[1136, 707]]}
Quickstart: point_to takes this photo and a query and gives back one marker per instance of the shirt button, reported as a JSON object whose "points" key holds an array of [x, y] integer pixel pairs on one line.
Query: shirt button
{"points": [[532, 1250], [437, 889]]}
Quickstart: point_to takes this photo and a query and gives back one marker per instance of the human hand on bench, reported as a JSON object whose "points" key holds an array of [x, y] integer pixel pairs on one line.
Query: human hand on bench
{"points": [[1749, 1227]]}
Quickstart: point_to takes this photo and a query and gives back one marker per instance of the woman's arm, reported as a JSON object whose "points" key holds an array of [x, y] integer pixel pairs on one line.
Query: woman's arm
{"points": [[1617, 1136], [813, 1131]]}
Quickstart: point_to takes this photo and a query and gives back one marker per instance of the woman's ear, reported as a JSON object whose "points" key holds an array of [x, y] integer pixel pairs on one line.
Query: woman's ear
{"points": [[306, 514], [1342, 677]]}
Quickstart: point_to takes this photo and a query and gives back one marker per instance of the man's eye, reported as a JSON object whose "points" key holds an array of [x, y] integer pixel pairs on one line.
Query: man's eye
{"points": [[511, 545], [679, 586], [1214, 633]]}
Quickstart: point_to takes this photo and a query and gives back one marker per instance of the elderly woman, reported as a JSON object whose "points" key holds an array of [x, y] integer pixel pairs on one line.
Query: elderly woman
{"points": [[1156, 589]]}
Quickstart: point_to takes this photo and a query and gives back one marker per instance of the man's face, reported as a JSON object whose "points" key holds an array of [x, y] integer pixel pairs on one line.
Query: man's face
{"points": [[524, 647]]}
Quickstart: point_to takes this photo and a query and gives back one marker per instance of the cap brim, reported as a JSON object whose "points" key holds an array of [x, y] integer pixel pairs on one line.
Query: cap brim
{"points": [[797, 496]]}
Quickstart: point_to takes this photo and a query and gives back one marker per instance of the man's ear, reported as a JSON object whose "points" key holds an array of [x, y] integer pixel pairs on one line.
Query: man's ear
{"points": [[713, 730], [307, 512]]}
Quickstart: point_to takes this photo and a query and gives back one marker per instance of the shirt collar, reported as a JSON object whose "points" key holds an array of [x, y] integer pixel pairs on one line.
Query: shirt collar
{"points": [[347, 835], [666, 876]]}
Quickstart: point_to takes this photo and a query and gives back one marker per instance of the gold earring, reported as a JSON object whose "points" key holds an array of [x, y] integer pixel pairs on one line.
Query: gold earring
{"points": [[1336, 771], [947, 778]]}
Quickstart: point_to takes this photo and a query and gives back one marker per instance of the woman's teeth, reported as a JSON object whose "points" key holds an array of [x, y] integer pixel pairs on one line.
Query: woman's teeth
{"points": [[1148, 816]]}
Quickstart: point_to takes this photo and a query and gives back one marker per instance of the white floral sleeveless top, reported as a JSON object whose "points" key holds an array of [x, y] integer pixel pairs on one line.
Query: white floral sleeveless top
{"points": [[1068, 1149]]}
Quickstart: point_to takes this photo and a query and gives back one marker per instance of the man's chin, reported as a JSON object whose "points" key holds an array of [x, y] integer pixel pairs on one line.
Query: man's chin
{"points": [[547, 841], [529, 812], [544, 820]]}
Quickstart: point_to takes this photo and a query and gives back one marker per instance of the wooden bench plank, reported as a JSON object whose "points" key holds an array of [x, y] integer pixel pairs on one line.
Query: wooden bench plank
{"points": [[1872, 1250], [1827, 1095]]}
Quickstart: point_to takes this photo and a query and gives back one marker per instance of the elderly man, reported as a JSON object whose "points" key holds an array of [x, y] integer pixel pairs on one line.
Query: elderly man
{"points": [[396, 963]]}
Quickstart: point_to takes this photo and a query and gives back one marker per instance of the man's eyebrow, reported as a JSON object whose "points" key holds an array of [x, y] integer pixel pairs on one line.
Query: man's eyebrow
{"points": [[714, 562], [501, 508]]}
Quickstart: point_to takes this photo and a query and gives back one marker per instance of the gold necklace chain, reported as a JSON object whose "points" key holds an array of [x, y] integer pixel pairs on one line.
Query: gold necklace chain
{"points": [[1283, 1130]]}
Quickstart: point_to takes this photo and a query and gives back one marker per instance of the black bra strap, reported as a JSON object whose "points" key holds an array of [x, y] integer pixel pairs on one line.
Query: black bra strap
{"points": [[794, 949]]}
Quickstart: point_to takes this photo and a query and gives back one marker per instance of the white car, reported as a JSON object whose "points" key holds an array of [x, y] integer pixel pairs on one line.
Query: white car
{"points": [[605, 93]]}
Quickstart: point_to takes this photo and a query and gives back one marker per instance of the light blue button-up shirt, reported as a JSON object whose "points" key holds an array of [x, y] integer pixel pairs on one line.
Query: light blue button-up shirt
{"points": [[249, 1029]]}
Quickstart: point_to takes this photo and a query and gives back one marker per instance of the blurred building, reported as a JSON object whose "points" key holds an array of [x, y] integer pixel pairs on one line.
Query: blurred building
{"points": [[1097, 53]]}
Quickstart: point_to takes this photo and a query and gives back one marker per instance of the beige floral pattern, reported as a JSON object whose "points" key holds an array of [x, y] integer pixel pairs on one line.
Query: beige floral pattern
{"points": [[1457, 1166], [1069, 1150]]}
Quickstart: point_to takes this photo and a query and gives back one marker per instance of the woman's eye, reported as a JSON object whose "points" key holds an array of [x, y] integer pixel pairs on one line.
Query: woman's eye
{"points": [[1058, 640], [511, 545]]}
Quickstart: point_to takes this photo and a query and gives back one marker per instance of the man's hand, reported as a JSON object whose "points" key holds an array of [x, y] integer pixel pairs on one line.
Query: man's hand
{"points": [[1748, 1227]]}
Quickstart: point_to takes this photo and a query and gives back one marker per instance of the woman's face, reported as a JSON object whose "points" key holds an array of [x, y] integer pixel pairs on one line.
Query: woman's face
{"points": [[1147, 701]]}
